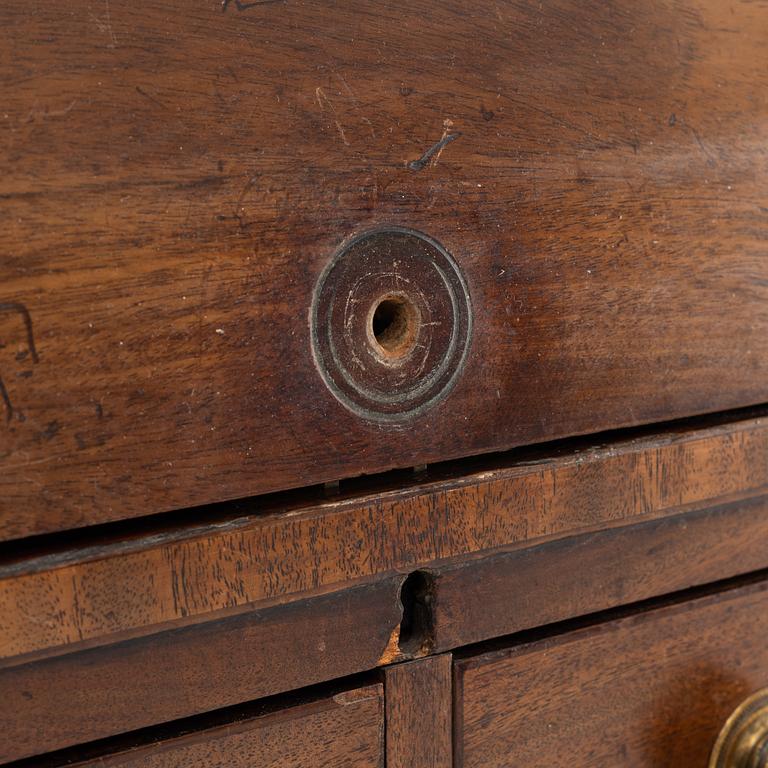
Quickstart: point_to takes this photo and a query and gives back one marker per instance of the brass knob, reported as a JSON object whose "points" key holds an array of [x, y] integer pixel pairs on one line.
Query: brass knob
{"points": [[743, 741]]}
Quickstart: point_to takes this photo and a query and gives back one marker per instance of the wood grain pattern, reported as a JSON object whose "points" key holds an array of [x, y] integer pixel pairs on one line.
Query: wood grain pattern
{"points": [[175, 178], [89, 695], [344, 731], [418, 713], [135, 585], [481, 599], [181, 672], [647, 691]]}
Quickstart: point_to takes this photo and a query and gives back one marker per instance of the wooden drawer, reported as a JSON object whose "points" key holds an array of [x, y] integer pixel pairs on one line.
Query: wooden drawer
{"points": [[650, 690], [345, 730], [100, 634], [176, 182]]}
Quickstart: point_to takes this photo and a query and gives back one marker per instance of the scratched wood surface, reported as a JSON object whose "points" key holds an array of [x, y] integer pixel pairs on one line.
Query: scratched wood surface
{"points": [[104, 591], [175, 176], [342, 731], [646, 691]]}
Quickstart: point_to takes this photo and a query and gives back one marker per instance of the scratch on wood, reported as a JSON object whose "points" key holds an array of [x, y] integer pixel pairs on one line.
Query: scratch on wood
{"points": [[355, 696], [149, 96], [432, 155], [322, 101], [704, 150], [249, 184], [105, 24], [355, 102], [241, 6], [45, 112], [109, 25]]}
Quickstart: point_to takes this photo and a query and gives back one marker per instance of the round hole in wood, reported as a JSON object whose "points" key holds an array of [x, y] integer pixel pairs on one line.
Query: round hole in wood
{"points": [[394, 326], [390, 324]]}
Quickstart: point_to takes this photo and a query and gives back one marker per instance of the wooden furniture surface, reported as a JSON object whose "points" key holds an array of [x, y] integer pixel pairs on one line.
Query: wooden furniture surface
{"points": [[175, 179], [344, 731], [419, 707], [87, 695], [651, 689], [383, 384], [106, 636], [98, 590]]}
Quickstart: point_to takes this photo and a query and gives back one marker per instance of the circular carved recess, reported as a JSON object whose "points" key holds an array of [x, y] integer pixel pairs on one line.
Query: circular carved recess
{"points": [[391, 324]]}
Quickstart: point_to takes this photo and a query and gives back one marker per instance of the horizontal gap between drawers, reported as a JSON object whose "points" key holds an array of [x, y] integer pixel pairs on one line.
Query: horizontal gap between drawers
{"points": [[555, 629], [146, 737], [53, 550], [197, 724]]}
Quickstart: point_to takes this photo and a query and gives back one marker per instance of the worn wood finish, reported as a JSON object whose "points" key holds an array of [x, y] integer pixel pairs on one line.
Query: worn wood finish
{"points": [[418, 713], [480, 599], [175, 178], [343, 731], [103, 592], [133, 684], [647, 691], [670, 537], [81, 697]]}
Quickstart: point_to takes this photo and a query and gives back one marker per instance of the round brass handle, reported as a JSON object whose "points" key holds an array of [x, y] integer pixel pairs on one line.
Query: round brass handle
{"points": [[743, 741]]}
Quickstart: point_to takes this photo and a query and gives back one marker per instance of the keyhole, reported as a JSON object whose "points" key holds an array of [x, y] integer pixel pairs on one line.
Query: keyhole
{"points": [[417, 625]]}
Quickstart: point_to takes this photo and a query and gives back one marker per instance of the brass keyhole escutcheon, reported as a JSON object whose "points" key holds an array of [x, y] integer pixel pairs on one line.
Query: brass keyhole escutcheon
{"points": [[743, 740]]}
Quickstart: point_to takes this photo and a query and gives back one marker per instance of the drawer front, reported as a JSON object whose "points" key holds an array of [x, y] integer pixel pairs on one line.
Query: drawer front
{"points": [[343, 731], [176, 184], [624, 521], [647, 691]]}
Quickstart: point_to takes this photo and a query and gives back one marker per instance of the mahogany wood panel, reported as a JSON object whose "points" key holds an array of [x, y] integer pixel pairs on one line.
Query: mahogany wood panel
{"points": [[647, 691], [90, 695], [343, 731], [175, 177], [186, 665], [484, 598], [418, 713], [105, 592], [178, 673]]}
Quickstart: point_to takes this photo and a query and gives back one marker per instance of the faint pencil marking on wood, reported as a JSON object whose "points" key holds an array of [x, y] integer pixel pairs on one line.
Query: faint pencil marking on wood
{"points": [[18, 308], [6, 401]]}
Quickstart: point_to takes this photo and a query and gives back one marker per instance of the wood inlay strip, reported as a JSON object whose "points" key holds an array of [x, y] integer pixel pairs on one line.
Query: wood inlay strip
{"points": [[121, 589]]}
